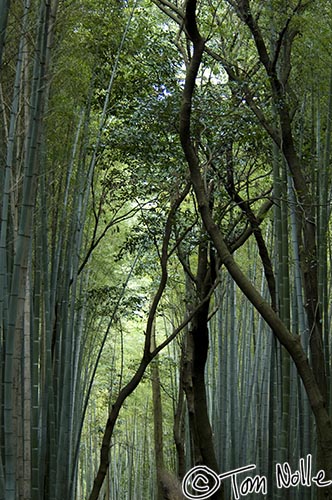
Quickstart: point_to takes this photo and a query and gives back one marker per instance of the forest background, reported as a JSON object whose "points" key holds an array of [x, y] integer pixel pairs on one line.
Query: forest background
{"points": [[165, 245]]}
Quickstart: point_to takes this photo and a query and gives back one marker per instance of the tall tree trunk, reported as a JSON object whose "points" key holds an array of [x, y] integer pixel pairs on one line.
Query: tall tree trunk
{"points": [[196, 353], [179, 423], [312, 378], [157, 418]]}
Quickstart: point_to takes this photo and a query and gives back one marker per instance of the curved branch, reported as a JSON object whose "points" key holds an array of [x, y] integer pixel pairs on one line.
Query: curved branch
{"points": [[243, 10], [147, 354], [292, 343], [255, 226]]}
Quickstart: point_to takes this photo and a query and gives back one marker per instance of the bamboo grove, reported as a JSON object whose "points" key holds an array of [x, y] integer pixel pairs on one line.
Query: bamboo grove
{"points": [[165, 249]]}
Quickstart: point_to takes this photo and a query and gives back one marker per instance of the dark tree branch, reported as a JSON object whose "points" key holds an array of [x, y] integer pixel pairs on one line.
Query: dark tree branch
{"points": [[292, 343], [255, 226], [235, 245], [147, 354], [242, 7], [129, 388]]}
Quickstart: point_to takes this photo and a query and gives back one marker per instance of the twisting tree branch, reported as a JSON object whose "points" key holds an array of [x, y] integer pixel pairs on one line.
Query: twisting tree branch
{"points": [[242, 8], [291, 342], [147, 354], [255, 226]]}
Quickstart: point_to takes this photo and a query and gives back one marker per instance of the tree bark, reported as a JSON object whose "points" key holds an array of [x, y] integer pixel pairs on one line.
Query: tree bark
{"points": [[195, 356], [291, 343], [179, 425], [157, 418]]}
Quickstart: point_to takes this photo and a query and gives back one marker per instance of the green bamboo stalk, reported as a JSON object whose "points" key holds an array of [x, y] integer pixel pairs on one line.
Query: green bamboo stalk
{"points": [[244, 376], [9, 311], [48, 444], [95, 367], [27, 395], [82, 207], [36, 372], [16, 298], [325, 183], [101, 126], [225, 420], [284, 300], [64, 368], [233, 409], [157, 418], [4, 12]]}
